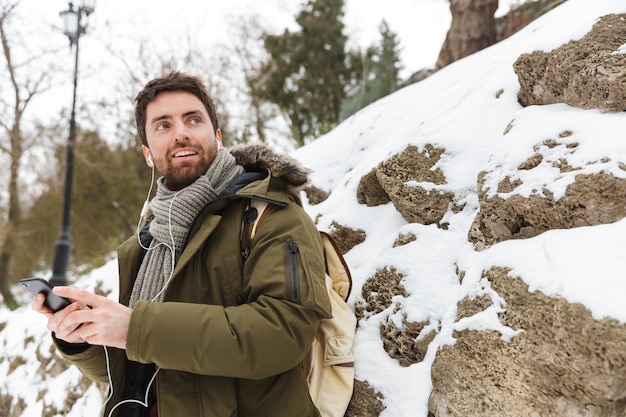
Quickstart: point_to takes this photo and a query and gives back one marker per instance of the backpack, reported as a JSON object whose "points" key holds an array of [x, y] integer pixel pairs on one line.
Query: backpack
{"points": [[330, 364]]}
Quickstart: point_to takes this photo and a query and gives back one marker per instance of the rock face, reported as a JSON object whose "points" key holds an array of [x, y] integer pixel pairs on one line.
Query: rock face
{"points": [[556, 367], [586, 73], [591, 200], [563, 362], [410, 182]]}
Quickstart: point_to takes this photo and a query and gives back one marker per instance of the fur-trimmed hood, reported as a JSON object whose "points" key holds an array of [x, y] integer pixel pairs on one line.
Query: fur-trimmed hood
{"points": [[257, 156]]}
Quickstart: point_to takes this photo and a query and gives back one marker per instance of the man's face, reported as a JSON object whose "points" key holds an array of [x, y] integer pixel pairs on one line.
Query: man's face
{"points": [[181, 138]]}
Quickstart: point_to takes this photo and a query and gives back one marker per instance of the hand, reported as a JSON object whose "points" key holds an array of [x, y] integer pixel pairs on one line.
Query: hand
{"points": [[55, 320], [104, 322]]}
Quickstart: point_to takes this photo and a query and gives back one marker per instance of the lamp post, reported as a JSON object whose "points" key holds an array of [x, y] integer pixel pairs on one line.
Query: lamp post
{"points": [[73, 27]]}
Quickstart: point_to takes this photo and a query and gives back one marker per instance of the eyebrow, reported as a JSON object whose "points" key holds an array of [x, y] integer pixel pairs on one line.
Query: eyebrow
{"points": [[167, 116]]}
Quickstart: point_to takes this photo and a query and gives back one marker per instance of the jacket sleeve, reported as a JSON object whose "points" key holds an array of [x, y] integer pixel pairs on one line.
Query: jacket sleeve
{"points": [[283, 279], [90, 360]]}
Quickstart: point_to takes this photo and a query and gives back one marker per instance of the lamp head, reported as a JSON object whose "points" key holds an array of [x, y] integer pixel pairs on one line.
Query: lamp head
{"points": [[71, 21], [88, 6]]}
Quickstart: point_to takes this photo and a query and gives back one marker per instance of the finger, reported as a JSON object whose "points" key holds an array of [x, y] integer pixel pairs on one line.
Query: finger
{"points": [[59, 321], [104, 325], [83, 297], [38, 305], [64, 327], [72, 336], [88, 333], [81, 316]]}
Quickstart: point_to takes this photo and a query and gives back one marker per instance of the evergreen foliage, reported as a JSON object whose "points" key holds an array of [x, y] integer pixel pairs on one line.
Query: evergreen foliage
{"points": [[380, 73], [308, 71]]}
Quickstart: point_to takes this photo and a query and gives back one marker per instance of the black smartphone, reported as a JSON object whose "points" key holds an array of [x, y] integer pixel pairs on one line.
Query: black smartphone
{"points": [[37, 285]]}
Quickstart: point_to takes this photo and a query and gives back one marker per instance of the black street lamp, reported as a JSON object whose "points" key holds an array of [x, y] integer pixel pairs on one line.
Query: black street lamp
{"points": [[73, 27]]}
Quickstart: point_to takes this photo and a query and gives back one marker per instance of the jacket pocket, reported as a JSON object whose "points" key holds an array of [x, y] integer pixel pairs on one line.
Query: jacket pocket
{"points": [[291, 268]]}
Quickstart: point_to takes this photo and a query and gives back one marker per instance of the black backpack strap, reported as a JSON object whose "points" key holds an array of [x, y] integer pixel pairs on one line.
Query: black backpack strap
{"points": [[250, 221], [250, 214]]}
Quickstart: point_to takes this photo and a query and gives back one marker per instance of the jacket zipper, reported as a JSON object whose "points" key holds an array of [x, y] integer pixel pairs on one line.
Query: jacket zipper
{"points": [[291, 265]]}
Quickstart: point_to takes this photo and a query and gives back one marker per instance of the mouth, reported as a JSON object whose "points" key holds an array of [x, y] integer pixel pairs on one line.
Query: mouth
{"points": [[183, 154]]}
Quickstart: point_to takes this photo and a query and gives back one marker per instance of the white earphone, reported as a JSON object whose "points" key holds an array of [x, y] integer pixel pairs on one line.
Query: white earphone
{"points": [[150, 161]]}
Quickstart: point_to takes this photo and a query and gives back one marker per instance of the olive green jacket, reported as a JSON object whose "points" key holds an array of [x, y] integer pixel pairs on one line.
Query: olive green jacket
{"points": [[230, 335]]}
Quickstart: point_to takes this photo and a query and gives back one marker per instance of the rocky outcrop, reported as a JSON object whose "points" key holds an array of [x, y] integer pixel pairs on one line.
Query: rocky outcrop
{"points": [[346, 237], [407, 343], [563, 363], [315, 195], [410, 181], [370, 191], [589, 73], [365, 402], [378, 292], [590, 200]]}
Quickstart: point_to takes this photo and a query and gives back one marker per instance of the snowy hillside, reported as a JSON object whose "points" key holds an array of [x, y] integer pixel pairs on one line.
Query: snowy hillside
{"points": [[465, 109]]}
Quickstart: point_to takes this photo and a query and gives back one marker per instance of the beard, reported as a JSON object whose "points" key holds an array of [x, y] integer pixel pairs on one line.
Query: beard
{"points": [[179, 175]]}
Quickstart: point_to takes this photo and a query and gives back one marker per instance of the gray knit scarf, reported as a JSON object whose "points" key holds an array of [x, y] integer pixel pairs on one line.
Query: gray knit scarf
{"points": [[174, 212]]}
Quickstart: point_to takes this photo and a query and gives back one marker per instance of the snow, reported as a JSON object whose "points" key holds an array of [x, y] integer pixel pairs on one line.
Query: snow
{"points": [[469, 108]]}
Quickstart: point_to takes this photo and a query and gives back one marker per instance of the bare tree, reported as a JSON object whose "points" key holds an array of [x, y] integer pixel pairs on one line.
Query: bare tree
{"points": [[247, 49], [473, 28], [22, 82], [144, 58]]}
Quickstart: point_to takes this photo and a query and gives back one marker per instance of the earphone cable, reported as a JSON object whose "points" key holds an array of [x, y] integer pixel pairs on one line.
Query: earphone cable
{"points": [[172, 249], [146, 203], [130, 400]]}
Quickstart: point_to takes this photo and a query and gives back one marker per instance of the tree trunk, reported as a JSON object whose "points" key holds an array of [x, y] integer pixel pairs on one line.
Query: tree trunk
{"points": [[14, 215], [15, 151], [5, 283], [473, 28]]}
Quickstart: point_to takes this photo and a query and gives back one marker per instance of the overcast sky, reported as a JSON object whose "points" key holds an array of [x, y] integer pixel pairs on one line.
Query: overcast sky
{"points": [[117, 26], [420, 24]]}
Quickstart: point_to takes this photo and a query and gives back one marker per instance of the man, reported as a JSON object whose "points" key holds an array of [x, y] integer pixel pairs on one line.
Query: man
{"points": [[220, 333]]}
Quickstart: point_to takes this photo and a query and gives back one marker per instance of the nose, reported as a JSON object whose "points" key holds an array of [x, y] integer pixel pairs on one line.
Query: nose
{"points": [[180, 132]]}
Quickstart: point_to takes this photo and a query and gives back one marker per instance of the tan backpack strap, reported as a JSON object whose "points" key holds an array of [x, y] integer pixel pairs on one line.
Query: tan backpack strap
{"points": [[336, 266], [330, 374]]}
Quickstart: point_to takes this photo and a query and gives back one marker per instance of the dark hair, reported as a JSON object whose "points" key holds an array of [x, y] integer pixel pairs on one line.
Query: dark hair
{"points": [[174, 81]]}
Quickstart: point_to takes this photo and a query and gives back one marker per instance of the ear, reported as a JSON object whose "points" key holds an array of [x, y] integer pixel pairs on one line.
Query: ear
{"points": [[147, 156], [218, 137]]}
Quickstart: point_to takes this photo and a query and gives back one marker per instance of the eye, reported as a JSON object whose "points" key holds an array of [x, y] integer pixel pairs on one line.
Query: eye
{"points": [[162, 126], [195, 120]]}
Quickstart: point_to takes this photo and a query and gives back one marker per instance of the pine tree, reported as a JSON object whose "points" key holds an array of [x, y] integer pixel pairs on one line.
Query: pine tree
{"points": [[308, 70], [380, 73], [389, 61]]}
